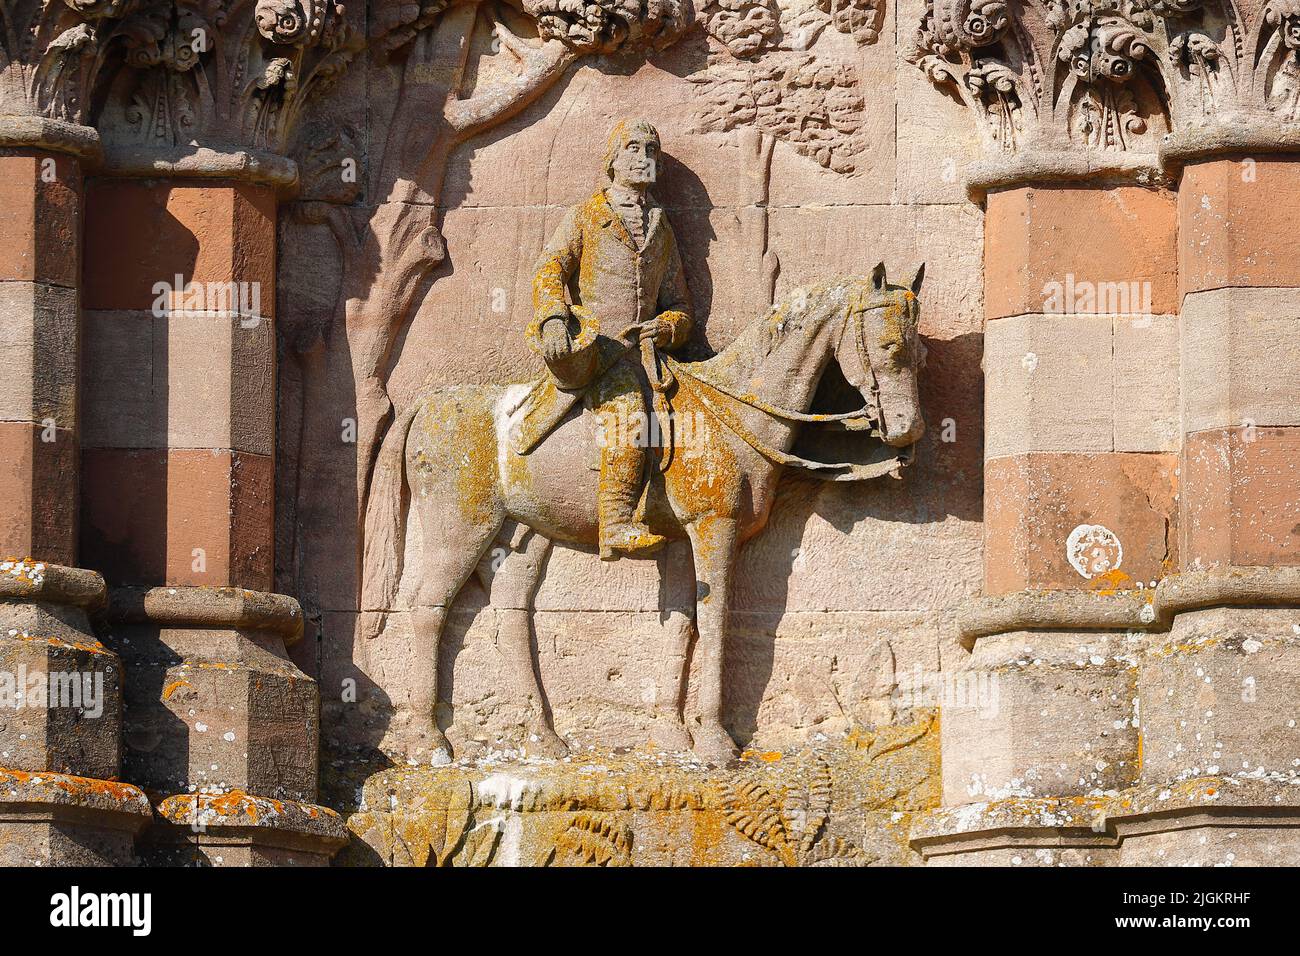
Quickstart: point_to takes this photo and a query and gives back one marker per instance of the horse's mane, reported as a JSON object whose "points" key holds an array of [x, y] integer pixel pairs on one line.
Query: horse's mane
{"points": [[814, 303]]}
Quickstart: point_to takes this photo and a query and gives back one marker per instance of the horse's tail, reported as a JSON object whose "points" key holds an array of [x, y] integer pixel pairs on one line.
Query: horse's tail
{"points": [[385, 529]]}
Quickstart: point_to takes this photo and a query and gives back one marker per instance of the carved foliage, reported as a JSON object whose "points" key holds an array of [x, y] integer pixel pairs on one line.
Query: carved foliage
{"points": [[605, 25], [791, 822], [764, 72], [230, 74], [50, 54], [1111, 74]]}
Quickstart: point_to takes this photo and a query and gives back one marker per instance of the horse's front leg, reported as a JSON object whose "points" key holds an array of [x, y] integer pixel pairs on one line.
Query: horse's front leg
{"points": [[713, 541], [677, 572]]}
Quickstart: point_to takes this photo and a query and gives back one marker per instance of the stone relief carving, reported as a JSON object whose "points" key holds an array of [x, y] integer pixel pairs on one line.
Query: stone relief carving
{"points": [[509, 464], [230, 74], [775, 810], [1109, 75], [51, 53], [763, 72], [390, 246], [1055, 74]]}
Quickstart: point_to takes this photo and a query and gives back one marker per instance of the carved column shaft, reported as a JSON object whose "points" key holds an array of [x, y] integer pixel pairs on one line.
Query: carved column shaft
{"points": [[1081, 399], [1218, 690], [179, 462], [60, 689]]}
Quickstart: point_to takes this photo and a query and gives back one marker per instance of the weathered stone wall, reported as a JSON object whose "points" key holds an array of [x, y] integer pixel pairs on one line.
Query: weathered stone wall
{"points": [[245, 243], [849, 585]]}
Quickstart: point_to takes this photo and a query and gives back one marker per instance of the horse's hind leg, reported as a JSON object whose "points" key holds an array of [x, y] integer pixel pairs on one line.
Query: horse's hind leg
{"points": [[452, 549], [511, 575], [677, 574]]}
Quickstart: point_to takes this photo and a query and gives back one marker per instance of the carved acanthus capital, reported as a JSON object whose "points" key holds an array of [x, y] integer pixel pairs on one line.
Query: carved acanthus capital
{"points": [[226, 76], [1127, 82], [51, 52]]}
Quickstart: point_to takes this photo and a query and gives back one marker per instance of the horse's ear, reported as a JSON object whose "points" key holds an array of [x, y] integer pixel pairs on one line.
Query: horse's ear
{"points": [[918, 279], [878, 277]]}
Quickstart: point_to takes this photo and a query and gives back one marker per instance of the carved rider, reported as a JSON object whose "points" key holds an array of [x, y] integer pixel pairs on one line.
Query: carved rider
{"points": [[613, 267]]}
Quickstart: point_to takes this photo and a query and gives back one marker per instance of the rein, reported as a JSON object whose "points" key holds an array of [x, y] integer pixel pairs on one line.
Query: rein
{"points": [[664, 372]]}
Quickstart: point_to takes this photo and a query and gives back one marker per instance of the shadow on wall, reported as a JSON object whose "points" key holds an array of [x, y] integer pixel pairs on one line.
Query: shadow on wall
{"points": [[124, 484]]}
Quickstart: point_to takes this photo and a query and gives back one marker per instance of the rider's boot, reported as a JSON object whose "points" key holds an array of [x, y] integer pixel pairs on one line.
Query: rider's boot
{"points": [[620, 486]]}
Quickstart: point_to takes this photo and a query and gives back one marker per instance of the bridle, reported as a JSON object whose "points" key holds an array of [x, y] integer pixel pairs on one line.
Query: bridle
{"points": [[716, 396]]}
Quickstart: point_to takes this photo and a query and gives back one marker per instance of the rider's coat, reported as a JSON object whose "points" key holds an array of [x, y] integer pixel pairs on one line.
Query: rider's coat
{"points": [[617, 282], [594, 259]]}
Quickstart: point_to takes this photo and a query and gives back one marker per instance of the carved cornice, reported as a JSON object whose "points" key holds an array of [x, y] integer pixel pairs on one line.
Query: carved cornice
{"points": [[1124, 87]]}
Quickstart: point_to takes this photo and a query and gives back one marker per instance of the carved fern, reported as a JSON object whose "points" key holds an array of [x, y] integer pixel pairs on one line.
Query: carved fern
{"points": [[593, 839], [793, 826], [755, 813]]}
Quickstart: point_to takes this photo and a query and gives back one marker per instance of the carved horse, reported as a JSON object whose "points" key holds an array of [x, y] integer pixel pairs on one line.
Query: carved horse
{"points": [[469, 490]]}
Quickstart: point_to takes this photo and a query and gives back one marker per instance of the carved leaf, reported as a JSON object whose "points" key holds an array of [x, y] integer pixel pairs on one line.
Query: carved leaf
{"points": [[754, 812], [593, 839]]}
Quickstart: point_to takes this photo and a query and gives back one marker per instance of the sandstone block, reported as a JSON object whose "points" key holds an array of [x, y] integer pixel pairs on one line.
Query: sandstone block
{"points": [[1240, 358], [38, 468], [204, 232], [1241, 497], [1040, 235], [1041, 714], [184, 516], [1079, 521], [1232, 229], [40, 205]]}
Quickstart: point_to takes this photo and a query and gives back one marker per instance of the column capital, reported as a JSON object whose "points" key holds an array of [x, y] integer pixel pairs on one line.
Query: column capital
{"points": [[216, 89], [1115, 89], [50, 60]]}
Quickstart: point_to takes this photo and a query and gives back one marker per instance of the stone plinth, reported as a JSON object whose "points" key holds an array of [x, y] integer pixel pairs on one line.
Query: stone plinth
{"points": [[60, 724], [218, 714], [1042, 714], [843, 803], [57, 819]]}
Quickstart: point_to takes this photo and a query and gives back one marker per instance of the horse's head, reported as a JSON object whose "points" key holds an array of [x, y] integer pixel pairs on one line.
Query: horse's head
{"points": [[881, 352]]}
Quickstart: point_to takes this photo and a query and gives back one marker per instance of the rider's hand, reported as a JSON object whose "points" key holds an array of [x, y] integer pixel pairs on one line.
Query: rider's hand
{"points": [[555, 339], [658, 330]]}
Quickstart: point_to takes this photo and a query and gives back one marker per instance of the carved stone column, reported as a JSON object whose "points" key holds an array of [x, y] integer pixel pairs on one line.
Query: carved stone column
{"points": [[60, 689], [1140, 722], [1081, 411], [1080, 507], [220, 726], [1221, 738]]}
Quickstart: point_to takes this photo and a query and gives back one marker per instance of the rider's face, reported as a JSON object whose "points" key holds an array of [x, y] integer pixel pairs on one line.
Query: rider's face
{"points": [[636, 165]]}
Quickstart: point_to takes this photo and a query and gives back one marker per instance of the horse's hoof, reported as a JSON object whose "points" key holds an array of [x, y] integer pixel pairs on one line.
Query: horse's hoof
{"points": [[432, 748], [670, 735], [544, 743], [713, 745]]}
